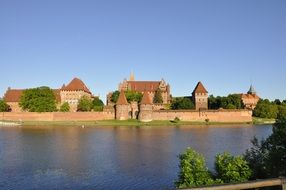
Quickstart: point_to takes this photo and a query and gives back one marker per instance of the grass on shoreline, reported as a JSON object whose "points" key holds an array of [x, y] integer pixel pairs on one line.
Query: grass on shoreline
{"points": [[257, 120], [131, 122]]}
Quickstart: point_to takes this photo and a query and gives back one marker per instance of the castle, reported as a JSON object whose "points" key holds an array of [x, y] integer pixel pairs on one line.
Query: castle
{"points": [[145, 110], [141, 86], [70, 93]]}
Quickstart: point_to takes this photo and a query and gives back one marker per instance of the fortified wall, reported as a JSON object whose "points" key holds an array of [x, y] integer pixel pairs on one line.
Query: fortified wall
{"points": [[207, 115], [57, 116], [183, 115]]}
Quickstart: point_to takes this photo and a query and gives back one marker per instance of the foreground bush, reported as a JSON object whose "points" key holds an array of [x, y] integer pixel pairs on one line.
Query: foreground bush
{"points": [[231, 169], [193, 170], [194, 173]]}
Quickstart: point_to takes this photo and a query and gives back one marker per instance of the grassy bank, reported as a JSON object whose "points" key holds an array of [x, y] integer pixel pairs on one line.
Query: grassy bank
{"points": [[257, 120], [119, 123]]}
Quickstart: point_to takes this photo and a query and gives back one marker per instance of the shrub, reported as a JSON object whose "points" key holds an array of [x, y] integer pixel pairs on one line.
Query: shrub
{"points": [[232, 169], [65, 107], [193, 170], [4, 107], [84, 104]]}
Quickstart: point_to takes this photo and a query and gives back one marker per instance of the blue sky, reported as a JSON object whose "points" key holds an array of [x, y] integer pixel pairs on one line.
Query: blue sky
{"points": [[226, 44]]}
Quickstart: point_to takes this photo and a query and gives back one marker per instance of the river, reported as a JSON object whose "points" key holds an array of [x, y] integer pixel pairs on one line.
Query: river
{"points": [[53, 157]]}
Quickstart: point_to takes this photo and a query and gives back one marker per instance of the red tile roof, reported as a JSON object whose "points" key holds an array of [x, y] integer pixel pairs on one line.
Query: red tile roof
{"points": [[122, 99], [76, 85], [141, 86], [13, 95], [200, 88], [146, 98]]}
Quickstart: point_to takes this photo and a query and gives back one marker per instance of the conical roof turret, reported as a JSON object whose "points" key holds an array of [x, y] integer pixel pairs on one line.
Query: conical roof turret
{"points": [[122, 99], [146, 98], [251, 90]]}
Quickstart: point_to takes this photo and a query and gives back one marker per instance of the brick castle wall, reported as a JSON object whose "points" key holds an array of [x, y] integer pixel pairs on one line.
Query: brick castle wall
{"points": [[57, 116], [211, 115], [184, 115]]}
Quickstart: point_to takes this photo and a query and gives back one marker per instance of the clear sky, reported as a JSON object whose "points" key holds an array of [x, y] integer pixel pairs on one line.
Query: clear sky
{"points": [[226, 44]]}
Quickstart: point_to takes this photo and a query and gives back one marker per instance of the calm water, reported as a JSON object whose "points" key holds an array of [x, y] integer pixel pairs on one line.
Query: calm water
{"points": [[110, 157]]}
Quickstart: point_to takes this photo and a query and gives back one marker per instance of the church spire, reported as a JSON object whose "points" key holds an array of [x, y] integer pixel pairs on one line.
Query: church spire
{"points": [[251, 90], [132, 78]]}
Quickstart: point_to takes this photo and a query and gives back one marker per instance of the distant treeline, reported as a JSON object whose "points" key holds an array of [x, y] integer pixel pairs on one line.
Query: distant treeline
{"points": [[268, 109], [232, 101]]}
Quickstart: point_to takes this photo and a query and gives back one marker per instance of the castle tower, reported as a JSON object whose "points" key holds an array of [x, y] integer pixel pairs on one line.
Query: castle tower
{"points": [[250, 99], [122, 107], [145, 113], [200, 97]]}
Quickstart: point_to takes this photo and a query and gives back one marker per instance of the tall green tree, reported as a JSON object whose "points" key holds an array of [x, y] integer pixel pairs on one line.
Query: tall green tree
{"points": [[158, 99], [265, 109], [182, 103], [267, 158], [41, 99], [4, 107], [65, 107], [97, 104], [84, 104], [114, 96]]}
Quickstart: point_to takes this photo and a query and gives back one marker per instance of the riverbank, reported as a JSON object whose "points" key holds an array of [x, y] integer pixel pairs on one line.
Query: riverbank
{"points": [[132, 122], [257, 120], [4, 123]]}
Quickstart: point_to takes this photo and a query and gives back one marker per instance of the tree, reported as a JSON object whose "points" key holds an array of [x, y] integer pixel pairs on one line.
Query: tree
{"points": [[65, 107], [114, 96], [232, 169], [158, 97], [4, 107], [84, 104], [41, 99], [182, 103], [265, 109], [277, 102], [193, 170], [267, 157], [133, 96], [97, 104], [232, 101], [213, 102]]}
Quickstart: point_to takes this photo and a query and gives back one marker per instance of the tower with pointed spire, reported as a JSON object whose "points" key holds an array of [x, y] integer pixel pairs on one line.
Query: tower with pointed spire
{"points": [[200, 97], [250, 99], [251, 90], [132, 77], [122, 107], [145, 113]]}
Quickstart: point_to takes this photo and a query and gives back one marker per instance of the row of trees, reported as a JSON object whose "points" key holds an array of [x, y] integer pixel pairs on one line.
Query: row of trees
{"points": [[232, 101], [268, 109], [266, 159]]}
